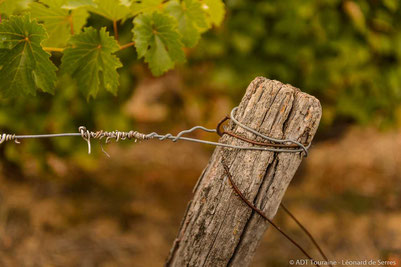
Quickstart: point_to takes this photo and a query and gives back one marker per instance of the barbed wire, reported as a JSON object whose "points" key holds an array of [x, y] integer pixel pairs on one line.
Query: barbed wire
{"points": [[135, 135]]}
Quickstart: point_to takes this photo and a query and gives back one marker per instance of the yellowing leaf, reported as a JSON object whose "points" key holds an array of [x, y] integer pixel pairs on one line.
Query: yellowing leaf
{"points": [[215, 11], [158, 41], [91, 61], [113, 10], [59, 22], [24, 65], [190, 17], [146, 6], [72, 4], [9, 7]]}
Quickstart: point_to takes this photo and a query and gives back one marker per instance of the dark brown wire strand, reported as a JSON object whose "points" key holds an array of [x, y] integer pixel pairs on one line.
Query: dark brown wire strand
{"points": [[221, 133], [117, 135], [307, 233], [258, 211]]}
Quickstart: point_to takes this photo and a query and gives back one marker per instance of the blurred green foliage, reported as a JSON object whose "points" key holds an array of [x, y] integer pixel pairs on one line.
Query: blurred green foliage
{"points": [[85, 70], [162, 29], [346, 53]]}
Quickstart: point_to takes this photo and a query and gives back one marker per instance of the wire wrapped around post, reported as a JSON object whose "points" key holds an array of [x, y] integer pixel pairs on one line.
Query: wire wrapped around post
{"points": [[272, 144]]}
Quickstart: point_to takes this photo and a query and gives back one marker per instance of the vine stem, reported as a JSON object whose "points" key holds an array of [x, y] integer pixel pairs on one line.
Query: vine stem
{"points": [[57, 49], [115, 30], [71, 24], [127, 45], [53, 49]]}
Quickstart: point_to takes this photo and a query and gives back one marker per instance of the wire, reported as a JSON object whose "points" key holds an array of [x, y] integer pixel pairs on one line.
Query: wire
{"points": [[121, 135], [261, 213], [234, 110], [292, 216], [273, 145]]}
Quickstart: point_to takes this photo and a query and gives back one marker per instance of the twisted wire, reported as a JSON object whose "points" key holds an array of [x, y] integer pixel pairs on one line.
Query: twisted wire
{"points": [[117, 135], [261, 213], [135, 135], [271, 139], [121, 135], [8, 137]]}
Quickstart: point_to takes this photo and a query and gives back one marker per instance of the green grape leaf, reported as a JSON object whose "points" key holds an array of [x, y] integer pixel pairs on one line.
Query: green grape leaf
{"points": [[91, 61], [24, 65], [72, 4], [113, 10], [214, 11], [157, 40], [190, 17], [59, 22], [146, 6], [8, 7]]}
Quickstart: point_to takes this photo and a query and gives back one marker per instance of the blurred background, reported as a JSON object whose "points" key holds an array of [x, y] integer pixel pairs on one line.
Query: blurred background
{"points": [[60, 206]]}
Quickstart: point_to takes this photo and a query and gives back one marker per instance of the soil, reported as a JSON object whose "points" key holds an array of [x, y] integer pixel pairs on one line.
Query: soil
{"points": [[125, 210]]}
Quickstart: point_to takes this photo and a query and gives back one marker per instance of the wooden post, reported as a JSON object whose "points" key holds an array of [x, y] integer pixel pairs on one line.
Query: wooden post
{"points": [[218, 229]]}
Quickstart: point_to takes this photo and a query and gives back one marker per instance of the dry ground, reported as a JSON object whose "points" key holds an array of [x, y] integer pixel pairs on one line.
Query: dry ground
{"points": [[126, 210]]}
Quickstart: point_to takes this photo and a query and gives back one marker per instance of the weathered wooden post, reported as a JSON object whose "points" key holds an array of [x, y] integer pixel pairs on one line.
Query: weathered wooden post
{"points": [[219, 229]]}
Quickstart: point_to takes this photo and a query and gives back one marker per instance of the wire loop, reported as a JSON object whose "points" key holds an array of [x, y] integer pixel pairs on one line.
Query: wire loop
{"points": [[8, 137], [273, 144], [282, 141], [86, 136]]}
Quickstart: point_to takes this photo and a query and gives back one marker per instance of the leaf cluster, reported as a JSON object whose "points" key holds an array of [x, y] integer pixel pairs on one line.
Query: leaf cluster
{"points": [[160, 33]]}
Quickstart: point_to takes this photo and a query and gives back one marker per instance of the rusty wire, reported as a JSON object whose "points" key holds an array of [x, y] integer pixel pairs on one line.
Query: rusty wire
{"points": [[270, 144], [261, 213]]}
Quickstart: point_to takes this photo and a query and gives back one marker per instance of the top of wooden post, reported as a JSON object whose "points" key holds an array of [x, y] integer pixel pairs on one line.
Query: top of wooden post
{"points": [[218, 228]]}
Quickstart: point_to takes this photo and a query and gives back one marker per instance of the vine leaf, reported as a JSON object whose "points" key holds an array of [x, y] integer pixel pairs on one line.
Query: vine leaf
{"points": [[157, 40], [91, 62], [24, 65], [8, 7], [191, 17], [215, 11], [59, 22], [113, 10], [146, 6], [72, 4]]}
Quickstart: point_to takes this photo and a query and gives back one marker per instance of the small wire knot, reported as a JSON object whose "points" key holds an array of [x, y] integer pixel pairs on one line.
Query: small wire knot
{"points": [[86, 135], [117, 135], [301, 146], [272, 144], [8, 137]]}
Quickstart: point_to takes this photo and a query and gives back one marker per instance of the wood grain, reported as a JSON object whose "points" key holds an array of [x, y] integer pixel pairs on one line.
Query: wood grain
{"points": [[218, 229]]}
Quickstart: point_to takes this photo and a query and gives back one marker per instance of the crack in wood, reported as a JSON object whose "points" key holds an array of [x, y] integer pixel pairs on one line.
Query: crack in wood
{"points": [[210, 235]]}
